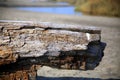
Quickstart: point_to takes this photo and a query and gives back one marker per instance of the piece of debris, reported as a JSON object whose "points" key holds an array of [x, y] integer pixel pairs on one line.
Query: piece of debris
{"points": [[26, 46]]}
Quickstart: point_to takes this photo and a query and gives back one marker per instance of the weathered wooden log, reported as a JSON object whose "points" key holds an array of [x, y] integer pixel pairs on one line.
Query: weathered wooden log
{"points": [[57, 45]]}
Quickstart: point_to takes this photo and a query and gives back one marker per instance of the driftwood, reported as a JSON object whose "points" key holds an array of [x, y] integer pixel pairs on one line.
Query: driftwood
{"points": [[27, 43]]}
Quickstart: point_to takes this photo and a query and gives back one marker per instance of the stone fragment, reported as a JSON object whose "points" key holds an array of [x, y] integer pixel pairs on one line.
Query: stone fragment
{"points": [[44, 43], [29, 37]]}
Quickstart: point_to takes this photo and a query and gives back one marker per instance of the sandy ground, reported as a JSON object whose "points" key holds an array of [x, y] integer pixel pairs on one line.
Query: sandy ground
{"points": [[109, 66]]}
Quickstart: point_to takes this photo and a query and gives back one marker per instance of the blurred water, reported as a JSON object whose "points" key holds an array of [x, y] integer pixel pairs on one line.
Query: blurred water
{"points": [[56, 10]]}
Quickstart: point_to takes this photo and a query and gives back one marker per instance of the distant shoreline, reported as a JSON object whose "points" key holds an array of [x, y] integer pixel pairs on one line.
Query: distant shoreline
{"points": [[10, 13], [32, 4]]}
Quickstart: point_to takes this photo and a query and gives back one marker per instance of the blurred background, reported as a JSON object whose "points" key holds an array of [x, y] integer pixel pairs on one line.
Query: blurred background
{"points": [[97, 7], [104, 14], [92, 7]]}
